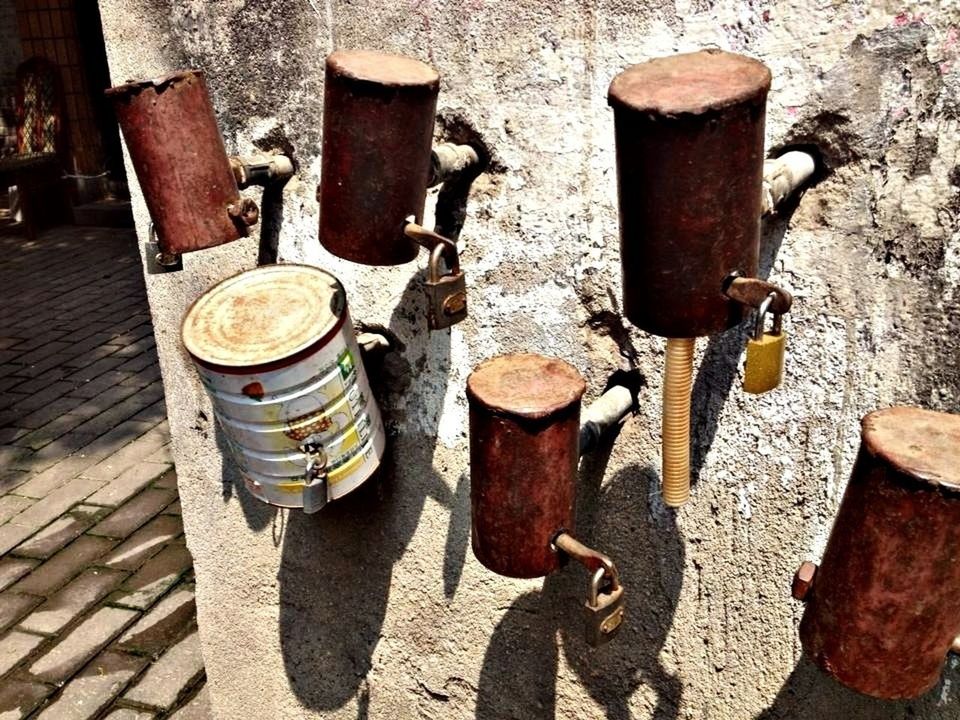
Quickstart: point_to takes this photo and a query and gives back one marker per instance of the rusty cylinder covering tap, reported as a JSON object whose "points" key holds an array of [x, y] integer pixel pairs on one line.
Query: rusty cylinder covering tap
{"points": [[884, 607], [689, 137], [524, 451], [378, 118], [178, 154]]}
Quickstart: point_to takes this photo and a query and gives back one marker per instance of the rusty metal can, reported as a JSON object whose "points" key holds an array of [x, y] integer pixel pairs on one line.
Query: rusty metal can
{"points": [[378, 117], [884, 607], [178, 154], [689, 136], [276, 352], [524, 452]]}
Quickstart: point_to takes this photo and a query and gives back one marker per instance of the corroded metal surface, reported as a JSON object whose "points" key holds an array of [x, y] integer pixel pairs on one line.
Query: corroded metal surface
{"points": [[689, 136], [378, 118], [276, 352], [884, 606], [177, 151], [524, 429]]}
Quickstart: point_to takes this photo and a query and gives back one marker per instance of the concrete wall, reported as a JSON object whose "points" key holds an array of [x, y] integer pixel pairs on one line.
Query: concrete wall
{"points": [[376, 607]]}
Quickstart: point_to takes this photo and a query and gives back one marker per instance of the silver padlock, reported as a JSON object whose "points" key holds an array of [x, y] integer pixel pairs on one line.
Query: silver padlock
{"points": [[605, 607], [446, 294]]}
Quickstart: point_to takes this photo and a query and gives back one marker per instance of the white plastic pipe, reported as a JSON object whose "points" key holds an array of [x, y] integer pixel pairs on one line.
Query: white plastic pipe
{"points": [[605, 412], [783, 175]]}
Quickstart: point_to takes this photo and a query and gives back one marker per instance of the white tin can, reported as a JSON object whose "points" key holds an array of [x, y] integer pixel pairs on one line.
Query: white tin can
{"points": [[276, 352]]}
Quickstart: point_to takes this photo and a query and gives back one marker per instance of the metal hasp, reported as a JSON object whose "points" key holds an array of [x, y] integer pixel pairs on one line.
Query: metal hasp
{"points": [[178, 154], [276, 352], [689, 137], [883, 609], [378, 117], [524, 453]]}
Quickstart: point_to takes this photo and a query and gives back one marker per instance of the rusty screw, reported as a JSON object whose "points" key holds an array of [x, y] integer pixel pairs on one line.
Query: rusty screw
{"points": [[803, 580], [245, 211]]}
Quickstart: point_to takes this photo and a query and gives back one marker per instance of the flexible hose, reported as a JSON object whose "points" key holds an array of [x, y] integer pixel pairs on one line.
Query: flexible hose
{"points": [[677, 384]]}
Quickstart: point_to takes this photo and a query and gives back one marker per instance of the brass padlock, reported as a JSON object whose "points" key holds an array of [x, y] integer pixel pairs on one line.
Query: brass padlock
{"points": [[446, 294], [765, 352], [605, 607]]}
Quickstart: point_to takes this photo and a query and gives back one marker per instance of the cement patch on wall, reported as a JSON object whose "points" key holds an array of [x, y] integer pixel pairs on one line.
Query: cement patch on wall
{"points": [[376, 607]]}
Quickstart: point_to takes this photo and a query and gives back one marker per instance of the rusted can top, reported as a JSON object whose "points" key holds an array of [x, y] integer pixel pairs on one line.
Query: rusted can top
{"points": [[690, 83], [378, 73], [920, 444], [689, 135], [525, 385], [134, 87], [264, 317], [379, 112]]}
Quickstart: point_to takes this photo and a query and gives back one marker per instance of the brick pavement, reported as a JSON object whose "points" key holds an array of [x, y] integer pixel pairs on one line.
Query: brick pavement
{"points": [[97, 614]]}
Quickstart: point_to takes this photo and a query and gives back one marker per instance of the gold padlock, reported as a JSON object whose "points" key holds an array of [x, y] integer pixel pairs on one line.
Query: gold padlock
{"points": [[765, 353], [446, 294], [605, 607]]}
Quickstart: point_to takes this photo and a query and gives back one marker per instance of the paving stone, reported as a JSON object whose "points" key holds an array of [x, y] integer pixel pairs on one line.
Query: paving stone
{"points": [[18, 698], [165, 623], [124, 446], [14, 606], [129, 714], [10, 505], [12, 535], [101, 383], [11, 479], [95, 369], [10, 434], [167, 480], [50, 412], [155, 413], [82, 643], [55, 476], [52, 453], [133, 513], [12, 569], [198, 708], [103, 402], [54, 504], [95, 688], [15, 646], [128, 483], [113, 416], [171, 676], [72, 601], [53, 430], [173, 509], [60, 532], [145, 543], [35, 401], [65, 565], [154, 578]]}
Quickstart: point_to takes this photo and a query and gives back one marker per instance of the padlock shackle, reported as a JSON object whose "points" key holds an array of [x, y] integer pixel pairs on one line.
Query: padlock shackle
{"points": [[752, 292], [762, 315], [594, 561]]}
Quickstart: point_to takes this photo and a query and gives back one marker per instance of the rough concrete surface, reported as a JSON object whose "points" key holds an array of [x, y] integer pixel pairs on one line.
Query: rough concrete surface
{"points": [[376, 607]]}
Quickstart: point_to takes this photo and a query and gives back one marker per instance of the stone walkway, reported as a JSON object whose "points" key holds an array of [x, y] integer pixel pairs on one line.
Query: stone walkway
{"points": [[97, 616]]}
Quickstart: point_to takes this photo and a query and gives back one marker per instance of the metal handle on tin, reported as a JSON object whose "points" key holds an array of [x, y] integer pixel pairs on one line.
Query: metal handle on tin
{"points": [[315, 487]]}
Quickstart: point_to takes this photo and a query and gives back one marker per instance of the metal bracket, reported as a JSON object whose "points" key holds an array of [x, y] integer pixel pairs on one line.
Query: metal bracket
{"points": [[754, 291], [159, 262]]}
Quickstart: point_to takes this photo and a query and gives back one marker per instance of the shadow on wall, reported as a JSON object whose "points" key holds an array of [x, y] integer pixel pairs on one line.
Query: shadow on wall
{"points": [[337, 566], [718, 370], [527, 636], [809, 693]]}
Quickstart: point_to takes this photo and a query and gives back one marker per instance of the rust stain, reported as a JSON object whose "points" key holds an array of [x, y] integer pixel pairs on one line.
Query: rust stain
{"points": [[254, 390]]}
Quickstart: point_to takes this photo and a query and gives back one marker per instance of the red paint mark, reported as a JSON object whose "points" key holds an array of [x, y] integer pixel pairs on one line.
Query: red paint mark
{"points": [[766, 16], [792, 110], [906, 18], [253, 390], [945, 67]]}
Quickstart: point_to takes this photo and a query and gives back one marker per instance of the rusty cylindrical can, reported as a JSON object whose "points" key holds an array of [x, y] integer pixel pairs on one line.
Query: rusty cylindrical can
{"points": [[884, 607], [177, 151], [524, 452], [275, 351], [378, 117], [689, 137]]}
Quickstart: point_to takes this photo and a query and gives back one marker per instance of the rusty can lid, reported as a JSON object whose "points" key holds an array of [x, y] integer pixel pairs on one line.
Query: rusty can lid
{"points": [[526, 385], [397, 71], [132, 87], [690, 83], [263, 316], [923, 444]]}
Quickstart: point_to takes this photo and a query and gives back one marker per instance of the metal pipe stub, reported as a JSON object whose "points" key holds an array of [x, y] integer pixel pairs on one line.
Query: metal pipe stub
{"points": [[524, 453], [378, 117], [689, 137], [178, 154], [883, 608]]}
